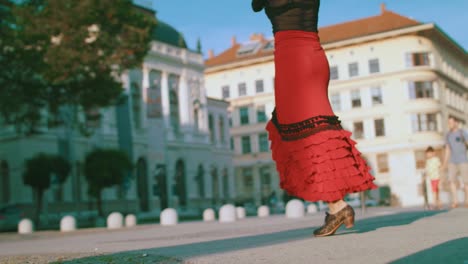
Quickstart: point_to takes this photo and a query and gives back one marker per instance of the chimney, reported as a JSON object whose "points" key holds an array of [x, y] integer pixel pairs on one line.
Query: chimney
{"points": [[233, 41], [257, 37], [210, 54], [382, 8]]}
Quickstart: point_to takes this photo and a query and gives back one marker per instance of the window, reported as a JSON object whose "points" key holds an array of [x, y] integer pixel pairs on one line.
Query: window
{"points": [[424, 122], [244, 115], [221, 129], [232, 143], [225, 183], [334, 73], [421, 90], [420, 157], [376, 94], [225, 91], [353, 69], [382, 162], [263, 142], [261, 115], [265, 182], [379, 127], [269, 46], [93, 117], [248, 48], [246, 145], [335, 102], [259, 86], [136, 103], [173, 82], [174, 110], [242, 89], [355, 98], [247, 178], [417, 59], [195, 119], [211, 127], [358, 130], [374, 66]]}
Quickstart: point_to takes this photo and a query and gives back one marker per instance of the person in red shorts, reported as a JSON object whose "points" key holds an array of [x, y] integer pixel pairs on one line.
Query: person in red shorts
{"points": [[433, 167], [315, 157]]}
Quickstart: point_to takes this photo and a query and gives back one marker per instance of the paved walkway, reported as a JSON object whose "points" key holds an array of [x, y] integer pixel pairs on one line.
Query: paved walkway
{"points": [[382, 235]]}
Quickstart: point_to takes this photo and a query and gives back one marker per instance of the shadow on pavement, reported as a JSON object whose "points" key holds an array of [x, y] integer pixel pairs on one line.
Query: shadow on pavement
{"points": [[454, 251], [373, 223], [180, 252]]}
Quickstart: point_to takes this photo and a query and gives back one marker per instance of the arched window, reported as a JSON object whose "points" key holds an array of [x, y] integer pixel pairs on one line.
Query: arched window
{"points": [[200, 178], [142, 184], [181, 190], [226, 183], [215, 184]]}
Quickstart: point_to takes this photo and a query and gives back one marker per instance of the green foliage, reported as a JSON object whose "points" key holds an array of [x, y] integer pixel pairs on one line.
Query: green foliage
{"points": [[105, 168], [66, 52], [40, 169], [39, 172], [199, 46]]}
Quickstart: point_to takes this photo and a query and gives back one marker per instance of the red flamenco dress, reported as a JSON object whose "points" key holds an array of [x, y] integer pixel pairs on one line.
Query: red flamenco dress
{"points": [[315, 157]]}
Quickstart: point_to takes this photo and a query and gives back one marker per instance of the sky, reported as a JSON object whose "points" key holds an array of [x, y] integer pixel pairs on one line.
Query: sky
{"points": [[215, 22]]}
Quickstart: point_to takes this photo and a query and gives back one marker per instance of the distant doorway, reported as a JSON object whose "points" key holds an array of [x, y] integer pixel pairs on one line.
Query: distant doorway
{"points": [[142, 184], [181, 190], [215, 184], [5, 181]]}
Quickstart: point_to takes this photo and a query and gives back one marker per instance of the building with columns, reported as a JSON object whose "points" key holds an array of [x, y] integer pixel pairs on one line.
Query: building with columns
{"points": [[175, 135], [394, 81]]}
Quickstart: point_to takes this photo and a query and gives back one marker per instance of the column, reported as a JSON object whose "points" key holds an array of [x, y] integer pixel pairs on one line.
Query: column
{"points": [[144, 87], [165, 101], [183, 101]]}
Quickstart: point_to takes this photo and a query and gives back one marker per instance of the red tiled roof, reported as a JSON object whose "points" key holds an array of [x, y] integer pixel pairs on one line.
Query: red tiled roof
{"points": [[386, 21]]}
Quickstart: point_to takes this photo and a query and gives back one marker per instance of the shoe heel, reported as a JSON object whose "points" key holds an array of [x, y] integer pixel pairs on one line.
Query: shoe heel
{"points": [[349, 221]]}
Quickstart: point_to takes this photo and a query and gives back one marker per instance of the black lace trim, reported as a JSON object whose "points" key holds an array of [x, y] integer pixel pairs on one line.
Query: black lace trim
{"points": [[307, 127]]}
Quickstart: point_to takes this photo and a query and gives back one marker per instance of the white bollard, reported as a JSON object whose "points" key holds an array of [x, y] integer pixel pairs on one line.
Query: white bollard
{"points": [[240, 212], [295, 209], [227, 213], [67, 224], [115, 220], [130, 220], [168, 217], [312, 209], [208, 215], [25, 226], [263, 211]]}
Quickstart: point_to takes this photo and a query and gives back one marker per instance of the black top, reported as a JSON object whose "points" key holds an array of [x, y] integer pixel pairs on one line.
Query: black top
{"points": [[290, 14]]}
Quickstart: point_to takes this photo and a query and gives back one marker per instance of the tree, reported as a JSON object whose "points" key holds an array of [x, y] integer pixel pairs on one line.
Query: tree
{"points": [[73, 53], [39, 173], [199, 47], [105, 168], [22, 90]]}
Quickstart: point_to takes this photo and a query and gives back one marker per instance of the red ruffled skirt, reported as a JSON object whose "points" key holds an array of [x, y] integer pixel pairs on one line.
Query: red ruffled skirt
{"points": [[315, 157]]}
